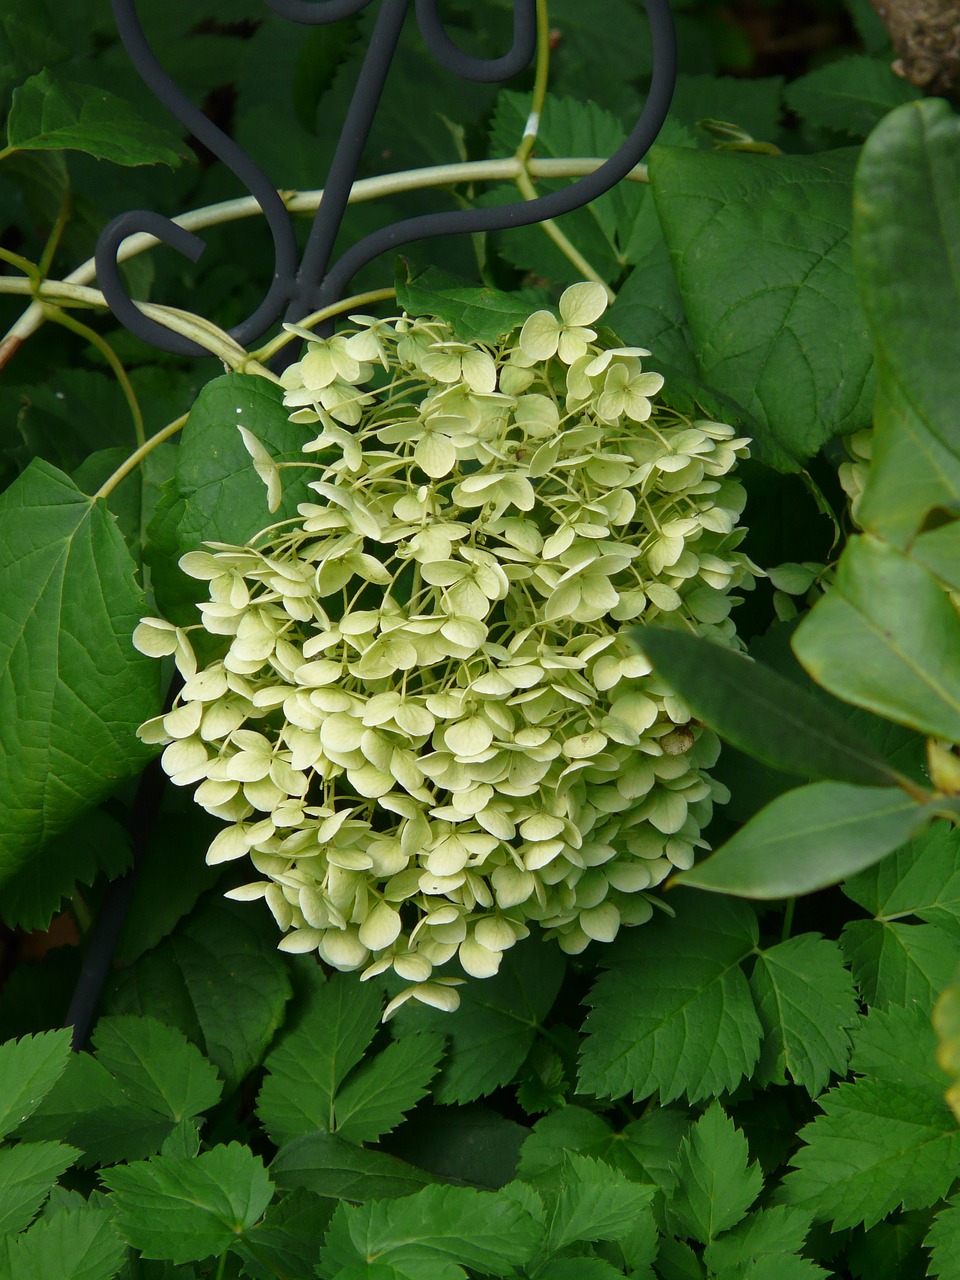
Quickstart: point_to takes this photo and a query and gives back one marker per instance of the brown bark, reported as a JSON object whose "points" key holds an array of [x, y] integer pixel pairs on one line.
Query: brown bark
{"points": [[926, 37]]}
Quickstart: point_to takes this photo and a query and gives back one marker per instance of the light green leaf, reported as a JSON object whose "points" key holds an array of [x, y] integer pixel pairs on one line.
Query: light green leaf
{"points": [[81, 1244], [716, 1184], [675, 983], [897, 963], [29, 1068], [72, 687], [485, 1230], [766, 1233], [594, 1203], [943, 1239], [327, 1165], [156, 1066], [906, 228], [375, 1098], [921, 878], [807, 1005], [760, 711], [780, 329], [851, 94], [218, 978], [51, 113], [27, 1174], [491, 1033], [308, 1066], [809, 838], [186, 1210], [886, 637]]}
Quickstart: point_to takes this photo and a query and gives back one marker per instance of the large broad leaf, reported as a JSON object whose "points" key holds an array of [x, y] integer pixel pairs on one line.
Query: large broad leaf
{"points": [[675, 982], [79, 1243], [477, 314], [779, 328], [809, 838], [851, 95], [219, 979], [29, 1068], [886, 637], [762, 712], [53, 114], [186, 1210], [330, 1166], [906, 229], [72, 687]]}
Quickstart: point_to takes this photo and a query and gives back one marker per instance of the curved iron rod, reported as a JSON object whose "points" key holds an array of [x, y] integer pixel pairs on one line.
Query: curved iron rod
{"points": [[311, 14], [484, 70]]}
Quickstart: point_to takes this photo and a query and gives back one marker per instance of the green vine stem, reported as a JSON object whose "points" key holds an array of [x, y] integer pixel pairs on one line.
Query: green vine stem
{"points": [[131, 463], [95, 339]]}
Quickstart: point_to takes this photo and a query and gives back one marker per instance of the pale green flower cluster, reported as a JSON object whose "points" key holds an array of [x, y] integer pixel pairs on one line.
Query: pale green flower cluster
{"points": [[429, 729]]}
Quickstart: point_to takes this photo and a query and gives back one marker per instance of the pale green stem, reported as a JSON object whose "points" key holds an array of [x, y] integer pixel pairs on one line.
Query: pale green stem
{"points": [[566, 246], [63, 217], [136, 458], [276, 344], [108, 353], [541, 78]]}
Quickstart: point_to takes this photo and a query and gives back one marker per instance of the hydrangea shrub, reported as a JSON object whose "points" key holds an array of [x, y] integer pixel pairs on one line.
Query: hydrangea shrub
{"points": [[428, 729]]}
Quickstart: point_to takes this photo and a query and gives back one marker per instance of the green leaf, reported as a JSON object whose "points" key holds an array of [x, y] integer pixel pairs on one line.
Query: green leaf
{"points": [[891, 1250], [29, 1068], [492, 1032], [906, 228], [186, 1210], [53, 114], [595, 1202], [807, 1006], [27, 1173], [943, 1239], [921, 878], [156, 1066], [306, 1069], [766, 1233], [68, 670], [677, 1261], [716, 1185], [477, 314], [752, 104], [851, 94], [876, 1147], [580, 1269], [218, 978], [327, 1165], [473, 1145], [648, 310], [809, 838], [886, 637], [375, 1098], [898, 1045], [676, 983], [485, 1230], [94, 844], [780, 329], [287, 1241], [897, 963], [761, 712], [81, 1244]]}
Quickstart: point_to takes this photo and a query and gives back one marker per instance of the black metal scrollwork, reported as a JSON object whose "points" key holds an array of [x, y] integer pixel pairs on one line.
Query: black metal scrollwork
{"points": [[300, 288]]}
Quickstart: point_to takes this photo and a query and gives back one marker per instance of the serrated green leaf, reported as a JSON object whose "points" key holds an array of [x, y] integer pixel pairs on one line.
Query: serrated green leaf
{"points": [[81, 1244], [648, 309], [287, 1241], [218, 978], [807, 1006], [715, 1183], [186, 1210], [156, 1066], [472, 1146], [491, 1033], [676, 983], [477, 314], [781, 330], [775, 1233], [27, 1173], [327, 1165], [906, 227], [760, 711], [871, 639], [677, 1261], [753, 104], [72, 687], [921, 878], [943, 1240], [594, 1202], [897, 963], [898, 1046], [877, 1147], [852, 94], [892, 1250], [53, 113], [809, 838], [789, 1268], [306, 1069], [375, 1098], [29, 1068], [579, 1269], [484, 1230]]}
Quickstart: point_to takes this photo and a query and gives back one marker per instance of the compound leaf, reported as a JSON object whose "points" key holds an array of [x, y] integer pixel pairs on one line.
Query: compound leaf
{"points": [[79, 1244], [594, 1202], [943, 1239], [29, 1068], [851, 94], [328, 1165], [898, 963], [156, 1066], [27, 1174], [716, 1184], [375, 1098], [921, 878]]}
